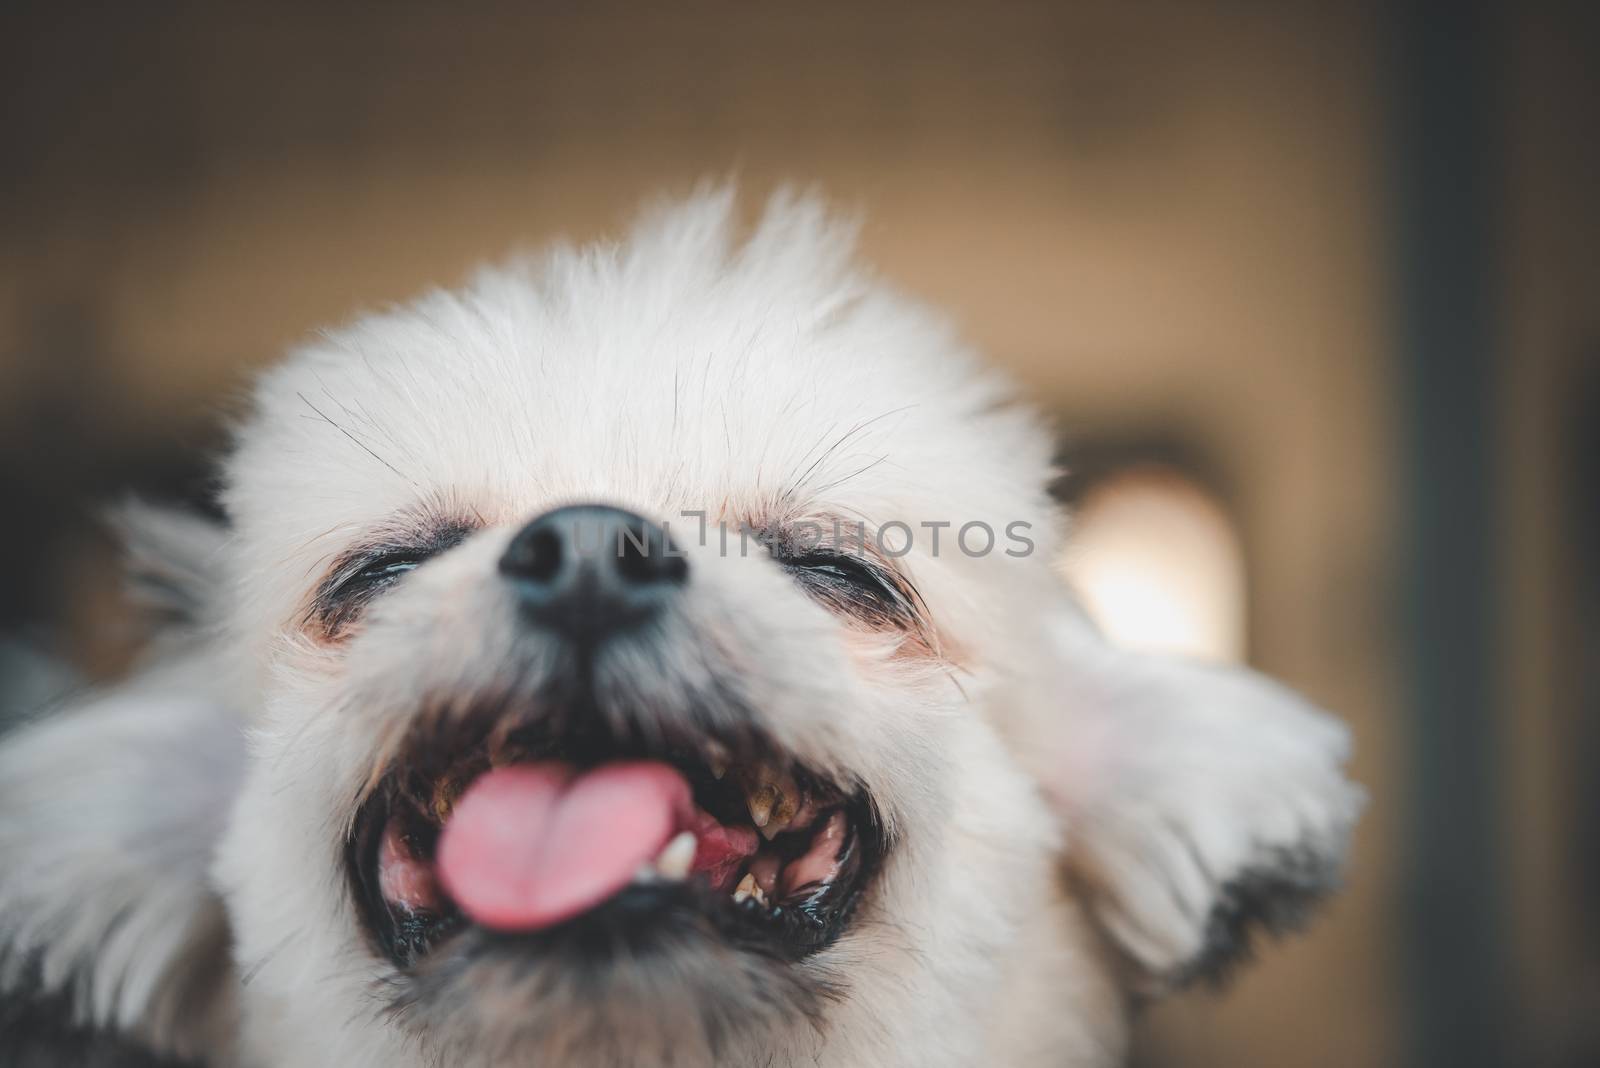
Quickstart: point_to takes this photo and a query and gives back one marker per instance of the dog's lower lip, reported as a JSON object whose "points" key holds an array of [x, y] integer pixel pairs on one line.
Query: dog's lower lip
{"points": [[814, 851]]}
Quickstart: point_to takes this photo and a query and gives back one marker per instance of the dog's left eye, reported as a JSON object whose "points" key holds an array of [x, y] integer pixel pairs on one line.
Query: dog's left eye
{"points": [[850, 584]]}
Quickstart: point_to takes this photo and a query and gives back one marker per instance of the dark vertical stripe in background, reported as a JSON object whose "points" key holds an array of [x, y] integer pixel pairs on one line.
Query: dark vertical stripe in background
{"points": [[1446, 195]]}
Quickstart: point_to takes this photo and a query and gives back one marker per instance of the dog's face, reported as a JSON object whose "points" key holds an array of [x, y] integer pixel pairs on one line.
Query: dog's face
{"points": [[599, 532], [653, 656]]}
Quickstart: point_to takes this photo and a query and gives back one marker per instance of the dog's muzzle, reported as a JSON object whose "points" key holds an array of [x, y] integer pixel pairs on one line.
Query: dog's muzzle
{"points": [[575, 804]]}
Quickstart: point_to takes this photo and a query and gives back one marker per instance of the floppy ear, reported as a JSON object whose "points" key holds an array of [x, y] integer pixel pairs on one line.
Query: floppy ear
{"points": [[1200, 803], [108, 814]]}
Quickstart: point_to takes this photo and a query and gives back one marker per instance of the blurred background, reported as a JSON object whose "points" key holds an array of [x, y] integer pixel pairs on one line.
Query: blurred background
{"points": [[1311, 289]]}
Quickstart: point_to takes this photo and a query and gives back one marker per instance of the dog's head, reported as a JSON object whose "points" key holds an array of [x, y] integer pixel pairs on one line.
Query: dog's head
{"points": [[652, 655]]}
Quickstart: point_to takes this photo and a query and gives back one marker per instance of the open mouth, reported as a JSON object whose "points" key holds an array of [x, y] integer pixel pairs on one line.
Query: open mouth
{"points": [[519, 832]]}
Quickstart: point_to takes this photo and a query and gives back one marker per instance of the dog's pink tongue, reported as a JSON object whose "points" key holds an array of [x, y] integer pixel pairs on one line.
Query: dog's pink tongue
{"points": [[534, 844]]}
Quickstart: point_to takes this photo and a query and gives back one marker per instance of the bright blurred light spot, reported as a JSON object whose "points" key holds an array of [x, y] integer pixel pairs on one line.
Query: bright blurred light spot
{"points": [[1158, 565]]}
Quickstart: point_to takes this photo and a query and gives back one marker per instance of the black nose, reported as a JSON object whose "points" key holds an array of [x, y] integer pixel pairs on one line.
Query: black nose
{"points": [[589, 570]]}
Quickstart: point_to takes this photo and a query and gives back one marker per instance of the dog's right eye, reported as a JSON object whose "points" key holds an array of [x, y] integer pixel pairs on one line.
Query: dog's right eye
{"points": [[362, 576], [353, 586], [377, 573]]}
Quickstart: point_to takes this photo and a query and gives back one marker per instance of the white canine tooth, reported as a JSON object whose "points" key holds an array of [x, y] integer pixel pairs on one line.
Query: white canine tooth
{"points": [[747, 888], [677, 857]]}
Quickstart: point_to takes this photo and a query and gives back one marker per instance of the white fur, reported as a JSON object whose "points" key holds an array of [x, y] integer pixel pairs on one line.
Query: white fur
{"points": [[760, 381], [111, 811]]}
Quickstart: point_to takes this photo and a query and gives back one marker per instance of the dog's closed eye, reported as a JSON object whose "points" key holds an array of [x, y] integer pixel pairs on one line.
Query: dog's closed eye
{"points": [[855, 586], [377, 572], [361, 575]]}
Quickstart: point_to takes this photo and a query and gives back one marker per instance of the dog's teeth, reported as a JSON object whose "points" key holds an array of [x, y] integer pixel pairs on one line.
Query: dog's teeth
{"points": [[762, 801], [675, 860], [717, 759], [783, 814], [749, 890], [445, 794], [774, 798], [499, 749]]}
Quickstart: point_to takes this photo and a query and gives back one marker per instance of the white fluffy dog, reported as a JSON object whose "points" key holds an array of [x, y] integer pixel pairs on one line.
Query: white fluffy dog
{"points": [[648, 655]]}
